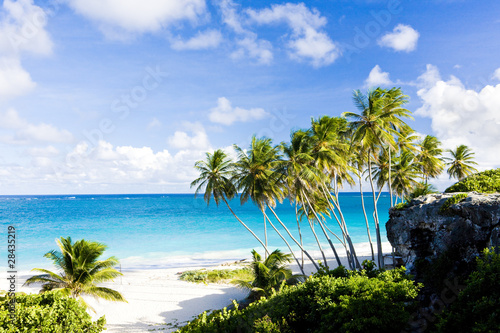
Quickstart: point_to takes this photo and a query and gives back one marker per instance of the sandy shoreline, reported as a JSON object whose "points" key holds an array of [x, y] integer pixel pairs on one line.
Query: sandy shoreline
{"points": [[157, 296]]}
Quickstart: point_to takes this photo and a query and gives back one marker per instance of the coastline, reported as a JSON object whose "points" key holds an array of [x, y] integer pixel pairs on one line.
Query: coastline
{"points": [[156, 296]]}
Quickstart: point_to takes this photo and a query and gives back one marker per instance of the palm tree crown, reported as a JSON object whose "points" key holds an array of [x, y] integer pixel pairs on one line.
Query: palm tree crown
{"points": [[460, 163], [215, 176], [80, 271]]}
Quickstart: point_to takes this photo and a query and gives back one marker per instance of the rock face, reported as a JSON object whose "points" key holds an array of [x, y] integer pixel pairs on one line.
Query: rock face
{"points": [[420, 232]]}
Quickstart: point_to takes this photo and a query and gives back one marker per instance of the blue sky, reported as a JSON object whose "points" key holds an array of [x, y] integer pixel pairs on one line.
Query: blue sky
{"points": [[106, 96]]}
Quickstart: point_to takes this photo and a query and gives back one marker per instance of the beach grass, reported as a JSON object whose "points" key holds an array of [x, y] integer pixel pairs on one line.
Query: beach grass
{"points": [[216, 275]]}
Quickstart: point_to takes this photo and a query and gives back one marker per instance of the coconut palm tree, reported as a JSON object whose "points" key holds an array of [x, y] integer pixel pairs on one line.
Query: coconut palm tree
{"points": [[268, 275], [460, 163], [80, 271], [257, 179], [429, 157], [374, 127], [216, 174], [406, 174]]}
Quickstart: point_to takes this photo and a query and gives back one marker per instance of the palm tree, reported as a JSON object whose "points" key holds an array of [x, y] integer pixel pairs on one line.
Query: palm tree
{"points": [[429, 157], [80, 271], [406, 174], [216, 173], [268, 275], [257, 179], [374, 127], [461, 162]]}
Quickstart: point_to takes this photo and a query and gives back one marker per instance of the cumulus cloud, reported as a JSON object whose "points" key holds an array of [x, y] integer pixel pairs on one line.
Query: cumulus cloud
{"points": [[307, 41], [496, 74], [22, 132], [22, 29], [102, 167], [14, 79], [224, 113], [138, 16], [462, 116], [194, 137], [203, 40], [402, 38], [377, 78], [249, 45]]}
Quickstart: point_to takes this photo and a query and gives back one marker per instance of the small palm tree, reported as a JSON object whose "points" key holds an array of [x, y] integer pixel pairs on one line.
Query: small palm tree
{"points": [[461, 162], [80, 271], [269, 275]]}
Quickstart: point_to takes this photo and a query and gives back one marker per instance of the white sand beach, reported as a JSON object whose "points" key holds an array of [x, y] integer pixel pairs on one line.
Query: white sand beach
{"points": [[157, 296]]}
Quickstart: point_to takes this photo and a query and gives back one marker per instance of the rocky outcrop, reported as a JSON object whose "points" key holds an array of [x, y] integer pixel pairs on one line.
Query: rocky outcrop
{"points": [[421, 232]]}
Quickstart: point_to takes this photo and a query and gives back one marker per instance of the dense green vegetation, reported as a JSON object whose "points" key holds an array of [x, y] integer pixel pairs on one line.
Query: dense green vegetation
{"points": [[216, 275], [47, 313], [452, 201], [483, 182], [80, 271], [323, 303], [477, 308]]}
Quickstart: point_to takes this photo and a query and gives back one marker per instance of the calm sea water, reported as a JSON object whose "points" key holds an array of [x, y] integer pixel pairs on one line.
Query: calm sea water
{"points": [[158, 230]]}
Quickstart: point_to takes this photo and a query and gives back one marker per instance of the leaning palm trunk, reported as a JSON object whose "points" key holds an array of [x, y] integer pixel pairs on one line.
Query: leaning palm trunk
{"points": [[389, 180], [323, 229], [287, 244], [293, 238], [311, 225], [265, 234], [351, 255], [375, 215], [243, 224], [366, 218], [300, 233]]}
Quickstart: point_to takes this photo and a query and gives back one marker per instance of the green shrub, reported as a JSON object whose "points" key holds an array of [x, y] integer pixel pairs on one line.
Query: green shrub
{"points": [[356, 303], [452, 201], [477, 308], [47, 313], [216, 275], [483, 182], [401, 205]]}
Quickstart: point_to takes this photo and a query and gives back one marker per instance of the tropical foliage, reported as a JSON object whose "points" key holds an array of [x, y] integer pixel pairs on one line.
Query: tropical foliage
{"points": [[483, 182], [269, 275], [477, 308], [49, 312], [80, 271], [357, 303]]}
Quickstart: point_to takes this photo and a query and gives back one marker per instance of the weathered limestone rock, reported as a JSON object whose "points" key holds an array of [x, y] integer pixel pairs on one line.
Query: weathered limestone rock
{"points": [[421, 232]]}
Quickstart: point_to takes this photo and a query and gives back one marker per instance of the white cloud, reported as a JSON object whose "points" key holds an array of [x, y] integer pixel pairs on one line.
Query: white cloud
{"points": [[377, 78], [255, 48], [203, 40], [403, 38], [14, 79], [154, 123], [22, 132], [138, 16], [249, 44], [22, 29], [224, 113], [496, 74], [462, 116], [306, 42], [197, 140]]}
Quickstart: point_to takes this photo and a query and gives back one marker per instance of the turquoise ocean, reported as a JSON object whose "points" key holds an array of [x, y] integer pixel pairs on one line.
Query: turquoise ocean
{"points": [[161, 230]]}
